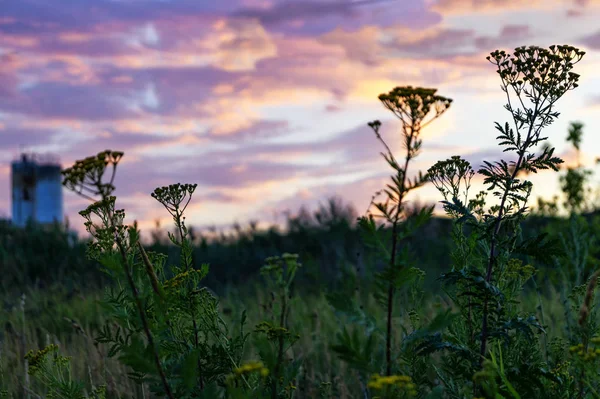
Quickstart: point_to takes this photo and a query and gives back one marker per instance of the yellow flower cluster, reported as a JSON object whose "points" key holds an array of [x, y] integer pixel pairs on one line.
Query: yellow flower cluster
{"points": [[562, 372], [589, 354], [561, 367], [177, 280], [36, 359], [251, 367], [516, 269], [290, 387], [488, 372], [248, 368], [271, 331], [403, 382]]}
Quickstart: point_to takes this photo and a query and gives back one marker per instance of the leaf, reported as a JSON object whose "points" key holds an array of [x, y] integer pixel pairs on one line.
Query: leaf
{"points": [[475, 279], [370, 233], [354, 351], [436, 393], [189, 372], [138, 356], [541, 247], [456, 207], [519, 324], [417, 219], [439, 323], [435, 343], [211, 391], [402, 274]]}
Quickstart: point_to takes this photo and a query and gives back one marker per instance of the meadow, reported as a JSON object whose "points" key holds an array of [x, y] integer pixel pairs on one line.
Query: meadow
{"points": [[496, 299]]}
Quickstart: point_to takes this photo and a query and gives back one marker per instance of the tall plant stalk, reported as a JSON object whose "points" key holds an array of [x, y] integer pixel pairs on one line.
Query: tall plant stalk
{"points": [[86, 179], [411, 106], [488, 274], [538, 77]]}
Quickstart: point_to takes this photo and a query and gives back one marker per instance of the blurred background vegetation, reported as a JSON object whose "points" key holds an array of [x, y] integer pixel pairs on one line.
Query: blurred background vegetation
{"points": [[327, 239], [50, 291]]}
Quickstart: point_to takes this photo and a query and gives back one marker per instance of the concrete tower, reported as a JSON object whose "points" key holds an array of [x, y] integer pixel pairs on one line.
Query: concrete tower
{"points": [[36, 190]]}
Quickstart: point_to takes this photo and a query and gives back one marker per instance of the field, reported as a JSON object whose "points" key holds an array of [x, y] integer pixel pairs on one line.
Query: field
{"points": [[492, 300]]}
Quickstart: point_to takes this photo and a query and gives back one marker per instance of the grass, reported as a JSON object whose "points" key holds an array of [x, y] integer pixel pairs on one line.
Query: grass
{"points": [[313, 318], [316, 329]]}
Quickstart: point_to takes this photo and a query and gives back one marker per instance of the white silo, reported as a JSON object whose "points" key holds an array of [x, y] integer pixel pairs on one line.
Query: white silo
{"points": [[36, 190]]}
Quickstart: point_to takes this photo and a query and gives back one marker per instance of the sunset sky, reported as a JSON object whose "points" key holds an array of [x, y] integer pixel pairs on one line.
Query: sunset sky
{"points": [[265, 103]]}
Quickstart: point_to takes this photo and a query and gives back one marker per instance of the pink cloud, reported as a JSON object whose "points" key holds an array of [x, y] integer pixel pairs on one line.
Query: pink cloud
{"points": [[592, 41], [446, 42], [509, 34], [362, 45], [258, 129], [432, 41], [571, 13], [497, 6]]}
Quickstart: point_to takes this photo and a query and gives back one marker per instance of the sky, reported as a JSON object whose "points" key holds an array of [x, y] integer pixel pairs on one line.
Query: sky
{"points": [[265, 103]]}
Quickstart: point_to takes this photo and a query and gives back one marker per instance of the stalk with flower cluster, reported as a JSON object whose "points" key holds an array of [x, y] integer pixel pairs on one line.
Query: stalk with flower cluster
{"points": [[411, 106], [534, 79], [541, 76], [86, 178], [415, 108], [182, 339]]}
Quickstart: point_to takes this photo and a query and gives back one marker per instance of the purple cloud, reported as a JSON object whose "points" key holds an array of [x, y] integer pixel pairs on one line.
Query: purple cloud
{"points": [[236, 168], [34, 17], [592, 41], [441, 41], [474, 5], [133, 176], [122, 141], [40, 17], [67, 101], [508, 34], [316, 17], [178, 88], [11, 138]]}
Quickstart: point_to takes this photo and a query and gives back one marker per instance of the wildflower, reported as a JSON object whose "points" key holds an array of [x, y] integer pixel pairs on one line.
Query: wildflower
{"points": [[515, 269], [248, 368], [447, 176], [585, 354], [271, 331], [412, 105], [402, 382], [251, 367], [173, 196], [180, 278], [85, 177], [38, 360]]}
